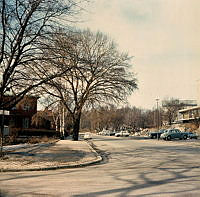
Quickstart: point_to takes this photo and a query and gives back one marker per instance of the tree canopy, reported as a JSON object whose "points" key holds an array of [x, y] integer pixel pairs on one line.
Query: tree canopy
{"points": [[99, 73], [24, 27]]}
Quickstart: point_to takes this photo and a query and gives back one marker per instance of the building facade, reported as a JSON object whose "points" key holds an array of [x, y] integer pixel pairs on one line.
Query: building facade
{"points": [[20, 116], [191, 114]]}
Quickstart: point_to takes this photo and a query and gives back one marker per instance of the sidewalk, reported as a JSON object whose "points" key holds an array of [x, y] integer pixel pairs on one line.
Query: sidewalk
{"points": [[62, 154]]}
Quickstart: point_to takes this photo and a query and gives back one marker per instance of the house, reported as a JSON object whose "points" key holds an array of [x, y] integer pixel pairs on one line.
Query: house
{"points": [[21, 114], [24, 120]]}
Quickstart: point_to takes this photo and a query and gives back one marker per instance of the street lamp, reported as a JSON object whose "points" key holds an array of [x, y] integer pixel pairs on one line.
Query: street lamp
{"points": [[157, 117]]}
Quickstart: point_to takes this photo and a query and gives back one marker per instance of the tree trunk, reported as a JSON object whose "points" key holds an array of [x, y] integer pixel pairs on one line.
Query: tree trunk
{"points": [[76, 126], [61, 124], [170, 121]]}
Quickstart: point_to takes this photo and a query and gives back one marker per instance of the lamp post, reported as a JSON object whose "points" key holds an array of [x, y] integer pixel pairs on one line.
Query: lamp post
{"points": [[158, 125]]}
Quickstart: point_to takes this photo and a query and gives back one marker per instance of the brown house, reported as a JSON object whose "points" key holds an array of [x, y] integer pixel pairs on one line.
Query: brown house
{"points": [[25, 120], [21, 114]]}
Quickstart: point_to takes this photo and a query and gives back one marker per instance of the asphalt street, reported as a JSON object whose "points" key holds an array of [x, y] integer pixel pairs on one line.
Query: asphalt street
{"points": [[131, 167]]}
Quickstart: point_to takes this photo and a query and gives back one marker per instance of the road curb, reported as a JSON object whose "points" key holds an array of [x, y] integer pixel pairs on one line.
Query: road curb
{"points": [[76, 165]]}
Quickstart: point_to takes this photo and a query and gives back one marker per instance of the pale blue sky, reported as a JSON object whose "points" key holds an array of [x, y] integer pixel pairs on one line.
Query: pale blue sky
{"points": [[163, 37]]}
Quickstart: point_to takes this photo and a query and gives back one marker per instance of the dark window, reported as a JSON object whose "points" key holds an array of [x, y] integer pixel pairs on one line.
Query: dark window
{"points": [[25, 123]]}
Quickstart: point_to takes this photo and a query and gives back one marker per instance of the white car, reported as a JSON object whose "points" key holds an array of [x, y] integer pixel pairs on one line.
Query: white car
{"points": [[122, 134], [87, 136]]}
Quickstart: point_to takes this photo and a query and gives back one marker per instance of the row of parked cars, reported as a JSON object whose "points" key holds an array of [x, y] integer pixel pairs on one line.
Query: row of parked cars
{"points": [[88, 135], [113, 133], [168, 134]]}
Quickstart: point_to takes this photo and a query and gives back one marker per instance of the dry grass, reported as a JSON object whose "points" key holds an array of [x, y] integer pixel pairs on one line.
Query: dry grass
{"points": [[35, 140], [12, 140]]}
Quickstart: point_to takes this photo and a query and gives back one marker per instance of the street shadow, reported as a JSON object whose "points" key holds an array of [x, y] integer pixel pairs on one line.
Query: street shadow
{"points": [[175, 166]]}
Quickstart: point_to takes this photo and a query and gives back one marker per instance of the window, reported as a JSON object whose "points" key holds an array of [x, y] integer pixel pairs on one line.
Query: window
{"points": [[25, 123], [26, 107]]}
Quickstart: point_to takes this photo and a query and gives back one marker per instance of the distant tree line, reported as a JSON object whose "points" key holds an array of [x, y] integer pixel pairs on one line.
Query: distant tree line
{"points": [[111, 117]]}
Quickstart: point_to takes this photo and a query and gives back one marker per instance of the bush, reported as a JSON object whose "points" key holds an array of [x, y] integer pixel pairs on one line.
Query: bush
{"points": [[12, 140], [35, 140]]}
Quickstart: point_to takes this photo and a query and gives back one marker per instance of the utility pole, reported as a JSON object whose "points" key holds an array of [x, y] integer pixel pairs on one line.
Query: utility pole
{"points": [[158, 124]]}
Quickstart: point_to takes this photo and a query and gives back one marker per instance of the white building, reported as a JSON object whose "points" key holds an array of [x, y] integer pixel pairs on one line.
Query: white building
{"points": [[191, 114]]}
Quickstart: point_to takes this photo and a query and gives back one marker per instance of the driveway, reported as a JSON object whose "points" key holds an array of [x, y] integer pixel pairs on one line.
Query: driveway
{"points": [[131, 167]]}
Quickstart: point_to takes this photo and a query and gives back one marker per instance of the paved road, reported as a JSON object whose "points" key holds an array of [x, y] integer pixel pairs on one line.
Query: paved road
{"points": [[131, 168]]}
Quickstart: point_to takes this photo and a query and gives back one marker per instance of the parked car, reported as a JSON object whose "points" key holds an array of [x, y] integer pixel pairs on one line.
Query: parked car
{"points": [[192, 135], [102, 133], [157, 134], [106, 132], [111, 133], [174, 134], [122, 134], [99, 133], [87, 136]]}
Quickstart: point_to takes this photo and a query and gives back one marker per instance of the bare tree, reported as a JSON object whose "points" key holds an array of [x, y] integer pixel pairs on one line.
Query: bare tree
{"points": [[111, 117], [41, 120], [100, 74], [171, 107], [103, 117], [25, 25]]}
